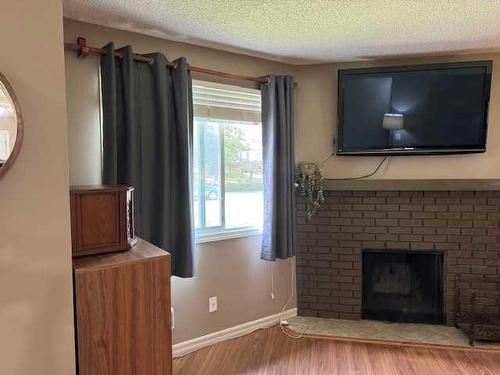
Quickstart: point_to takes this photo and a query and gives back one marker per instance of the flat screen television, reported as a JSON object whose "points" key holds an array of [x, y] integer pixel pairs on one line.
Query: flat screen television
{"points": [[418, 109]]}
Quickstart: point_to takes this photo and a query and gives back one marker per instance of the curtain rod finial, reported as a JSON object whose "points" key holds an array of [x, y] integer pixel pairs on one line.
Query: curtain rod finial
{"points": [[265, 80], [83, 50]]}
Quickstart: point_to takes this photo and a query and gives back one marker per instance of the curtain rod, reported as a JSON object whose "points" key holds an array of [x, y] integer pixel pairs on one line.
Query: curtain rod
{"points": [[83, 50]]}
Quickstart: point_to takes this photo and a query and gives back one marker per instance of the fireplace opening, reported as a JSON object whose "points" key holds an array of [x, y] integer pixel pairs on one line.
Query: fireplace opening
{"points": [[403, 286]]}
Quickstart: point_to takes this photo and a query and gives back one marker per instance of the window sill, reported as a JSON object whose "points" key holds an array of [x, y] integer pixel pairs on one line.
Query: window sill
{"points": [[227, 235]]}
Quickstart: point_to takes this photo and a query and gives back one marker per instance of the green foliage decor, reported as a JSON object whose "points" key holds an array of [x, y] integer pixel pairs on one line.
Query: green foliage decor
{"points": [[309, 179]]}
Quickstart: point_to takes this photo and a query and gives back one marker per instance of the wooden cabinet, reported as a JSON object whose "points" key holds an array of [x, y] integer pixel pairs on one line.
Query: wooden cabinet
{"points": [[102, 219], [122, 308]]}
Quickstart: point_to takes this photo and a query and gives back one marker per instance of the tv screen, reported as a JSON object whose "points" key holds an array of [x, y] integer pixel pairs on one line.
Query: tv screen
{"points": [[424, 109]]}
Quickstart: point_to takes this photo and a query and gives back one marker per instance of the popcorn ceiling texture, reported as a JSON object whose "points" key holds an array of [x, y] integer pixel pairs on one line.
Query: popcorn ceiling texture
{"points": [[307, 31]]}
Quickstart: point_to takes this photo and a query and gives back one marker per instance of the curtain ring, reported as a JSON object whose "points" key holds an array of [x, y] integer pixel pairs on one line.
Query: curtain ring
{"points": [[268, 80]]}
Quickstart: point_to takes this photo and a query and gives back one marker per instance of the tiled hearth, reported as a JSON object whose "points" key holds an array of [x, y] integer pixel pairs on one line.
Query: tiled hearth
{"points": [[465, 226], [384, 332]]}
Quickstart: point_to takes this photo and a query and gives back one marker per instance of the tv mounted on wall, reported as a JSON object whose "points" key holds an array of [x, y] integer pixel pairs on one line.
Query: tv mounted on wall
{"points": [[416, 109]]}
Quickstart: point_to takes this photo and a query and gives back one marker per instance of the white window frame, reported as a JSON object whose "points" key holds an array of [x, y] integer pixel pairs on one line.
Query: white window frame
{"points": [[232, 109]]}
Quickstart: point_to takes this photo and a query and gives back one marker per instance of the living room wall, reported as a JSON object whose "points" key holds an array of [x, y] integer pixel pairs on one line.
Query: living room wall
{"points": [[315, 107], [316, 111], [230, 269], [36, 304]]}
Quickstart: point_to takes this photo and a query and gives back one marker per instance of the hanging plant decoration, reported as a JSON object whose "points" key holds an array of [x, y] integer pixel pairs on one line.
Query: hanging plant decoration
{"points": [[309, 179]]}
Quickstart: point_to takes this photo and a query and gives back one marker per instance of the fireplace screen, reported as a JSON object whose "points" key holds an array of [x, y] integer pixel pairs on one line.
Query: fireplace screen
{"points": [[403, 286]]}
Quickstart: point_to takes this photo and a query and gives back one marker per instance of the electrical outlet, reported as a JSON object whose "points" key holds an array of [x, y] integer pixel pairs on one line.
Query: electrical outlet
{"points": [[172, 316], [212, 304]]}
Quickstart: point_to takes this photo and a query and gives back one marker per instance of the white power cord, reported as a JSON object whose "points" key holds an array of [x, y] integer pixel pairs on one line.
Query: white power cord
{"points": [[272, 280], [284, 323]]}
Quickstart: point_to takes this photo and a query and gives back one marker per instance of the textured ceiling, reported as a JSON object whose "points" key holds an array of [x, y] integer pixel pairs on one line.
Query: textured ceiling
{"points": [[305, 31]]}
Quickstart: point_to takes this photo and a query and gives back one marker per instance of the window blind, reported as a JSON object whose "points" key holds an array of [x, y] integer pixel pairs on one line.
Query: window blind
{"points": [[226, 102]]}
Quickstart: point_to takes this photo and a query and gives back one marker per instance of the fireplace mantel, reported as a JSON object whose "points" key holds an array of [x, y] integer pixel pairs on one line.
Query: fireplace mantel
{"points": [[413, 184]]}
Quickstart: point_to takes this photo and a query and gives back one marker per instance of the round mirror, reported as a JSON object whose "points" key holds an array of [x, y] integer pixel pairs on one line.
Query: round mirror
{"points": [[11, 126]]}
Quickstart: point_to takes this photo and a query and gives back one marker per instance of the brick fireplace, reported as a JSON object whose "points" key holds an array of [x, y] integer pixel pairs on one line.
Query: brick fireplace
{"points": [[464, 226]]}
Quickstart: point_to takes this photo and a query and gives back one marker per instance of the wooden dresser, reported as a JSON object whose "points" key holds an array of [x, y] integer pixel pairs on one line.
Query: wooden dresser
{"points": [[122, 308]]}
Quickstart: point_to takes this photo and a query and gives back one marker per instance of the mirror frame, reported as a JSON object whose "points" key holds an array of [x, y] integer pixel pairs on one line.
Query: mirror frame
{"points": [[20, 127]]}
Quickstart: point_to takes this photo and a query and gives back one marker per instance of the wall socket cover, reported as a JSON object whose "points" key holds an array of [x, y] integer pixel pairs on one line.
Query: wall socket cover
{"points": [[212, 304]]}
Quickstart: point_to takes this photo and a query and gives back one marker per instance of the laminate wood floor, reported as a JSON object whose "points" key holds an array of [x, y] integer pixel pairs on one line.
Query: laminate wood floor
{"points": [[269, 351]]}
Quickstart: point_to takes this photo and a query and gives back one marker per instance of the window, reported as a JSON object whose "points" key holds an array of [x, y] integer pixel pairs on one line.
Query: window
{"points": [[228, 197]]}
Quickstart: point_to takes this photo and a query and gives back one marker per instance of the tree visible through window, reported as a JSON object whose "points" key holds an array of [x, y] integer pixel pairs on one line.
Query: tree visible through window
{"points": [[228, 198]]}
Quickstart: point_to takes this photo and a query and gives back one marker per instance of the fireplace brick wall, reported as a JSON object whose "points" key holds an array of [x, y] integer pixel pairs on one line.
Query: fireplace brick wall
{"points": [[464, 225]]}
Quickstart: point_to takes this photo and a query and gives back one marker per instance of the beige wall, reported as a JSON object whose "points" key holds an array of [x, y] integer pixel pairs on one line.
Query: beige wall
{"points": [[316, 108], [228, 269], [36, 325]]}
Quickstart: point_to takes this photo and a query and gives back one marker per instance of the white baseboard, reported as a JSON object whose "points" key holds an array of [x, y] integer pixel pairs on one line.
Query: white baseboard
{"points": [[189, 346]]}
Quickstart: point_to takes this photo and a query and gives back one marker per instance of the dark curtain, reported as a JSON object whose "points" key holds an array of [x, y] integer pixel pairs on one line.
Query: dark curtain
{"points": [[147, 143], [278, 152]]}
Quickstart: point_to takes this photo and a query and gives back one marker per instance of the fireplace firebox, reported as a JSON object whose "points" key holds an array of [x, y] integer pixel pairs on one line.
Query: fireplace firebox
{"points": [[403, 286]]}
